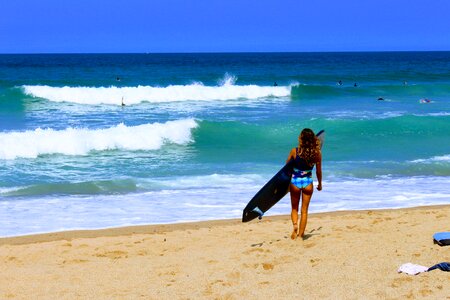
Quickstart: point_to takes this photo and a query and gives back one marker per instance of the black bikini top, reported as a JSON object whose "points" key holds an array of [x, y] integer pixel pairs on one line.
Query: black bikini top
{"points": [[300, 163]]}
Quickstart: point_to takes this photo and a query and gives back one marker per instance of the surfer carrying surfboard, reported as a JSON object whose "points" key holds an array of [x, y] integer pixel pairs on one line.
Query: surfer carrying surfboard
{"points": [[305, 157]]}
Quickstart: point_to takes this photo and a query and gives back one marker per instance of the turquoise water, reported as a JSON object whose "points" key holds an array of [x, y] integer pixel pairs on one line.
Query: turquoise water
{"points": [[201, 133]]}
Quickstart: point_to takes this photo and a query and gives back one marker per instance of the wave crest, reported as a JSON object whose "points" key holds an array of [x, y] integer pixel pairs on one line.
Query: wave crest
{"points": [[442, 158], [133, 95], [80, 141]]}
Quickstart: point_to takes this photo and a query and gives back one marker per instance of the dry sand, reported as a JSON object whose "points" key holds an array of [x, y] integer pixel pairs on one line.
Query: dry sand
{"points": [[346, 255]]}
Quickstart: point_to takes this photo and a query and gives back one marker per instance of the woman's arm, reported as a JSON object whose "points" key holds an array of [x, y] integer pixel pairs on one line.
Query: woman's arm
{"points": [[319, 172], [291, 155]]}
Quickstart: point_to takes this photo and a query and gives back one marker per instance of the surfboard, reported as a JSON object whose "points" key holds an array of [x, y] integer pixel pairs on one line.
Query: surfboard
{"points": [[273, 191]]}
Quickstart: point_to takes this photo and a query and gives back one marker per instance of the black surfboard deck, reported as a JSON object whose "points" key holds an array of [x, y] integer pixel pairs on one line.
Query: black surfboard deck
{"points": [[273, 191]]}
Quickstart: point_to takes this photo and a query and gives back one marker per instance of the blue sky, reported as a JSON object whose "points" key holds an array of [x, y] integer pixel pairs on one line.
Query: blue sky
{"points": [[92, 26]]}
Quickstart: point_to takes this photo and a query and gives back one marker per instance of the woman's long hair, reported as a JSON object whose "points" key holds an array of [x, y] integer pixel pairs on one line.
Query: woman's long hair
{"points": [[309, 146]]}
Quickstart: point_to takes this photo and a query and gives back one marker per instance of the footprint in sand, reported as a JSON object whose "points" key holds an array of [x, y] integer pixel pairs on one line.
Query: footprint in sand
{"points": [[310, 245], [410, 295], [208, 291], [168, 273], [253, 250], [113, 254], [74, 261], [426, 292], [142, 252], [234, 276], [400, 281], [12, 258], [267, 266], [314, 262], [251, 266]]}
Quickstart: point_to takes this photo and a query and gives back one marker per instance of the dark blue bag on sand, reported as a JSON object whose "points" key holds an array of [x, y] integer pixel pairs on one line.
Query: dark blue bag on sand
{"points": [[444, 266]]}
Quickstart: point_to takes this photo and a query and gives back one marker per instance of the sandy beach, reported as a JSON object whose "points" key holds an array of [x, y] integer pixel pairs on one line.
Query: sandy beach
{"points": [[345, 255]]}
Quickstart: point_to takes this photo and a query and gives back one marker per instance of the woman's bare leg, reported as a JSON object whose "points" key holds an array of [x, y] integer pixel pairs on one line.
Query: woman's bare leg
{"points": [[306, 197], [295, 199]]}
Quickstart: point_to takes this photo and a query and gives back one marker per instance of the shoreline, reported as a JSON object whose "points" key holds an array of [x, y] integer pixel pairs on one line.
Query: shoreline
{"points": [[169, 227], [344, 255]]}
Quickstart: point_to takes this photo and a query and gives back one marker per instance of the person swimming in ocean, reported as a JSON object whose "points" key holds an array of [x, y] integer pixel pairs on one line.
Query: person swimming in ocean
{"points": [[122, 104], [380, 99], [339, 82], [305, 157], [275, 84]]}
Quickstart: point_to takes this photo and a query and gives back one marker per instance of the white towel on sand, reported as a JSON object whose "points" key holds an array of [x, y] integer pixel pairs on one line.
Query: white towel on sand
{"points": [[412, 269]]}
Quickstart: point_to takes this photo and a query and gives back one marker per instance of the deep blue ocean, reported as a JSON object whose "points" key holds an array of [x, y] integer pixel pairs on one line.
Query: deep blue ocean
{"points": [[200, 134]]}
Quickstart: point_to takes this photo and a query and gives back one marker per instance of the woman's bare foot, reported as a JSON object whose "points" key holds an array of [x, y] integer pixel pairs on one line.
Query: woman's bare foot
{"points": [[294, 232]]}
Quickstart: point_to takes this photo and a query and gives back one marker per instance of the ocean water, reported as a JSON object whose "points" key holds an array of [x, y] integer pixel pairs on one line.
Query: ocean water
{"points": [[200, 134]]}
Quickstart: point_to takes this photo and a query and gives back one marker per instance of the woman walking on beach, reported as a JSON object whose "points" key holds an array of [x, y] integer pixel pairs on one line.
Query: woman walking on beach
{"points": [[305, 157]]}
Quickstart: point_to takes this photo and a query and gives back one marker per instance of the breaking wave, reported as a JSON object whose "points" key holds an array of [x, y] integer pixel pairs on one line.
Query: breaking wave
{"points": [[80, 141], [173, 93]]}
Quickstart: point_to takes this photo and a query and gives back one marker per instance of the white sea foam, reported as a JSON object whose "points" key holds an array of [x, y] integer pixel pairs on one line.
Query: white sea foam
{"points": [[436, 114], [8, 190], [133, 95], [366, 115], [443, 158], [79, 141], [361, 115], [200, 201]]}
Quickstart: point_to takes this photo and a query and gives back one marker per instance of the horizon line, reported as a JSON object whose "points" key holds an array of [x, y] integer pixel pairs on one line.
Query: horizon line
{"points": [[222, 52]]}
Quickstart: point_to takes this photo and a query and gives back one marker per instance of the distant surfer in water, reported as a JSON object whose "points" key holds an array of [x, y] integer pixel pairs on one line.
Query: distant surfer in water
{"points": [[123, 104], [305, 156]]}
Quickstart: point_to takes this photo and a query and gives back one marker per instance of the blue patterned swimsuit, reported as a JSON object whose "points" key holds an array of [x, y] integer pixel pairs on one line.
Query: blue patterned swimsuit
{"points": [[302, 175]]}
